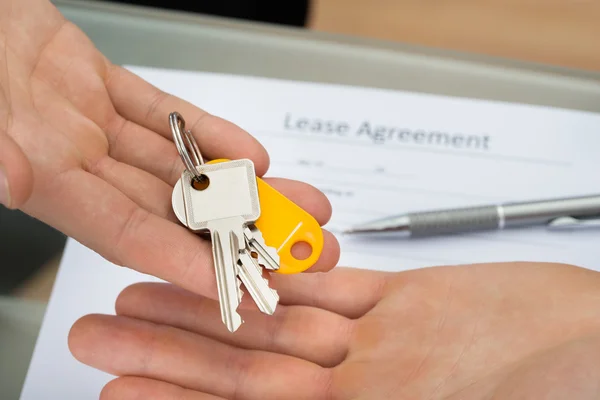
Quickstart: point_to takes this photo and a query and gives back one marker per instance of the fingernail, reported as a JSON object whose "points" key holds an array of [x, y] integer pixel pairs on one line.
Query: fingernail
{"points": [[4, 194]]}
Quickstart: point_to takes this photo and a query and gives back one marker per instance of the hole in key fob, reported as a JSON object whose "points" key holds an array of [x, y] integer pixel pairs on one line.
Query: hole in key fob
{"points": [[288, 228]]}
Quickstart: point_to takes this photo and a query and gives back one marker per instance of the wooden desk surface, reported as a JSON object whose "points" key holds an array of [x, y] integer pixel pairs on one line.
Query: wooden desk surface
{"points": [[560, 32]]}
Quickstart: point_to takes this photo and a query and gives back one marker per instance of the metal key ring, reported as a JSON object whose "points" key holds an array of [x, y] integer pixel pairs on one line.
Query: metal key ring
{"points": [[186, 145]]}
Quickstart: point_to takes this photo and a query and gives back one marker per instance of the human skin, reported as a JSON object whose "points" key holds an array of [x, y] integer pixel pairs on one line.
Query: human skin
{"points": [[86, 147], [506, 331]]}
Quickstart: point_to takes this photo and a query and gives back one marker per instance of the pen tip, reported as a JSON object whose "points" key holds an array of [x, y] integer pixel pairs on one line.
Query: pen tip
{"points": [[400, 224], [352, 229], [356, 230]]}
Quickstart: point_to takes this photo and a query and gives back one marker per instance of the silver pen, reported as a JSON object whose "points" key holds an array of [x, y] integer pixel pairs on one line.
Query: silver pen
{"points": [[557, 214]]}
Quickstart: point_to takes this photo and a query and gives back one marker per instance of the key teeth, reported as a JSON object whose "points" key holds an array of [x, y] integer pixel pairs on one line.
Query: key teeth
{"points": [[255, 239], [240, 292], [265, 265], [265, 297], [267, 282], [272, 290]]}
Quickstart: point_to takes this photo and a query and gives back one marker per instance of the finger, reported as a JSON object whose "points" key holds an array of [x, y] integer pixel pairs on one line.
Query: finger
{"points": [[126, 346], [151, 107], [308, 333], [330, 254], [139, 147], [144, 189], [135, 388], [306, 196], [148, 192], [16, 174], [126, 234], [346, 291], [135, 145], [154, 196]]}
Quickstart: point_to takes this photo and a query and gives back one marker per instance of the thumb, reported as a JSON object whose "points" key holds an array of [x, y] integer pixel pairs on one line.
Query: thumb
{"points": [[16, 174]]}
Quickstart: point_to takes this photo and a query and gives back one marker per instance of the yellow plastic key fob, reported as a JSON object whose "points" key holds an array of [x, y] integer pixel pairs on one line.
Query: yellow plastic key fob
{"points": [[283, 224]]}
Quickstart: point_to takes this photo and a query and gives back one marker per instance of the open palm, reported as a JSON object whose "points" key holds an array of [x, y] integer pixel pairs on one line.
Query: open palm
{"points": [[479, 332], [87, 149]]}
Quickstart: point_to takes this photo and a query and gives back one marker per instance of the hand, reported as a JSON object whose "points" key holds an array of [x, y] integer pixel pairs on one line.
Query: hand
{"points": [[491, 331], [86, 147]]}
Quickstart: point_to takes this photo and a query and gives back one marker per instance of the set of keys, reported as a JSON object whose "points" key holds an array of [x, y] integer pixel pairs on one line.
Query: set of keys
{"points": [[226, 200]]}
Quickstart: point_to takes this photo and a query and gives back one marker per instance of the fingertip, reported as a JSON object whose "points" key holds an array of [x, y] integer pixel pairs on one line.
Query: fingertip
{"points": [[122, 388], [110, 343], [80, 335], [330, 255], [262, 160], [220, 138], [305, 196], [216, 137], [140, 299], [114, 390], [137, 388], [130, 297]]}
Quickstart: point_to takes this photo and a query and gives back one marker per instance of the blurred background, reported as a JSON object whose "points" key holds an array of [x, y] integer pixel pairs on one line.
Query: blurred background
{"points": [[558, 32]]}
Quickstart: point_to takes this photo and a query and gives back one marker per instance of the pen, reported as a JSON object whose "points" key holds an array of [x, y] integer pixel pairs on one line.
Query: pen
{"points": [[556, 214]]}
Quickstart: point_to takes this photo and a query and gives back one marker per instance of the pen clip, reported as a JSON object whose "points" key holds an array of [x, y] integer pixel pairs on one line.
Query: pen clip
{"points": [[570, 222]]}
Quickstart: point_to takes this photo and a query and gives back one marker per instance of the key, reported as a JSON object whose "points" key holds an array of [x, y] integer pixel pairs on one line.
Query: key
{"points": [[268, 300], [250, 273], [283, 224], [178, 203], [225, 238], [224, 208], [268, 254], [222, 199]]}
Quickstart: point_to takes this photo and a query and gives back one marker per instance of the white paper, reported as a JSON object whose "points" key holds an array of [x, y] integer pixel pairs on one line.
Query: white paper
{"points": [[377, 153]]}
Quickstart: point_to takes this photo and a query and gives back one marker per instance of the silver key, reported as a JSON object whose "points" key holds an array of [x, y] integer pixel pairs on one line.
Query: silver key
{"points": [[250, 273], [267, 254], [178, 203], [224, 208]]}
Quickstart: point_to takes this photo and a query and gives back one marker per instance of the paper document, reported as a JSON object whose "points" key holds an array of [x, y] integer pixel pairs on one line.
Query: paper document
{"points": [[374, 153]]}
